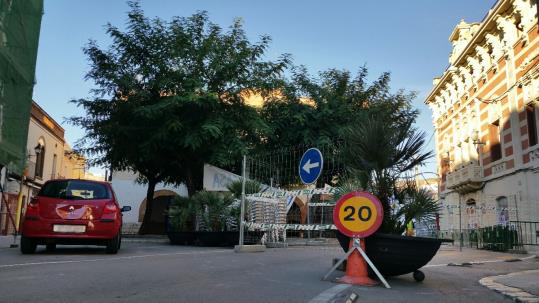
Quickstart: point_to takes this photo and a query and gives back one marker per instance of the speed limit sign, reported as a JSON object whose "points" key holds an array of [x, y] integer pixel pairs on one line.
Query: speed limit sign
{"points": [[358, 214]]}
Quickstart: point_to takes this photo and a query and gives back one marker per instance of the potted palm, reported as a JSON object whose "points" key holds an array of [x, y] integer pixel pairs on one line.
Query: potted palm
{"points": [[205, 219], [381, 153], [181, 227], [216, 225]]}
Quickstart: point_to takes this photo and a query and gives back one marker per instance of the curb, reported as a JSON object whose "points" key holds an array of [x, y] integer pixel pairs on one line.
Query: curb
{"points": [[516, 294], [249, 248], [130, 239]]}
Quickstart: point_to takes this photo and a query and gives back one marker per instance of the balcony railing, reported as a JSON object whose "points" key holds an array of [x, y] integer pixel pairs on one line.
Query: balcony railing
{"points": [[465, 178]]}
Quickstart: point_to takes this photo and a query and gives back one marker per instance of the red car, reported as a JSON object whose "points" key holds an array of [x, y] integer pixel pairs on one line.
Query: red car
{"points": [[73, 212]]}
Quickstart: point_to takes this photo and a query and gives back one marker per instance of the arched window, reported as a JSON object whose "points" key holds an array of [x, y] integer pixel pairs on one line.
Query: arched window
{"points": [[503, 211], [40, 158]]}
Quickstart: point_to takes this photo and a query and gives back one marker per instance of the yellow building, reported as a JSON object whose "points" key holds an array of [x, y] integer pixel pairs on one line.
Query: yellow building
{"points": [[485, 114], [49, 156]]}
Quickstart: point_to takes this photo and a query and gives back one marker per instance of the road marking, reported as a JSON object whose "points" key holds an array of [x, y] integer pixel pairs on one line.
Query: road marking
{"points": [[328, 294], [115, 258]]}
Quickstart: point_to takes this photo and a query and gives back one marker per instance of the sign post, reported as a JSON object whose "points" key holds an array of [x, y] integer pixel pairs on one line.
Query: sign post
{"points": [[358, 215], [310, 168]]}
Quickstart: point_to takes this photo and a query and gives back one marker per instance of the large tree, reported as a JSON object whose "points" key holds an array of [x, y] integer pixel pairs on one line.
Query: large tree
{"points": [[168, 98], [318, 111]]}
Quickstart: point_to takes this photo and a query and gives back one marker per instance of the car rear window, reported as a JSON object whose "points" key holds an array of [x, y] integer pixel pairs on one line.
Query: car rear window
{"points": [[74, 190]]}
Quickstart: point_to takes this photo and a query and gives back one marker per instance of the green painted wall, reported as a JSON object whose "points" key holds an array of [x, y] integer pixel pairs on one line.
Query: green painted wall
{"points": [[20, 23]]}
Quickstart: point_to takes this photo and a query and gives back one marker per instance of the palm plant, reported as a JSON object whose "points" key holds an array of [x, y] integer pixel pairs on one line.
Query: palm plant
{"points": [[379, 152], [215, 210], [182, 214], [207, 211]]}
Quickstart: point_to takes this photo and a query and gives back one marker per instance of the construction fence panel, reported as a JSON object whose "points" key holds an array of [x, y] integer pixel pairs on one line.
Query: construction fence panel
{"points": [[286, 210]]}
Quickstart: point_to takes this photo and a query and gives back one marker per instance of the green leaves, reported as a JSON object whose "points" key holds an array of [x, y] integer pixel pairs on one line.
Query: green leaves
{"points": [[379, 152], [167, 97]]}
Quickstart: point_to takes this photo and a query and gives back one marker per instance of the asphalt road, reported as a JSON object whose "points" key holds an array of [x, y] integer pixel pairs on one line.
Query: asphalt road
{"points": [[157, 272]]}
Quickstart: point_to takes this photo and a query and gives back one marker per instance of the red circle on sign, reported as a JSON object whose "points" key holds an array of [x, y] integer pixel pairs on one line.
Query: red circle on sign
{"points": [[364, 233]]}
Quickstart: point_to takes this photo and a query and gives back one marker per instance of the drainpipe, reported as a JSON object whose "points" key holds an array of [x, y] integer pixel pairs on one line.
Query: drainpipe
{"points": [[461, 240]]}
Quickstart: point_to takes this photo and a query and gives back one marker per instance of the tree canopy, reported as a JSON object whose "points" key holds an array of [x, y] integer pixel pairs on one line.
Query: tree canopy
{"points": [[318, 110], [168, 97]]}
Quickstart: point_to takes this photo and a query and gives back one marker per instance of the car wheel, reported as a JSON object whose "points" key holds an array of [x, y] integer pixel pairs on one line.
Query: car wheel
{"points": [[419, 276], [113, 245], [51, 247], [28, 245]]}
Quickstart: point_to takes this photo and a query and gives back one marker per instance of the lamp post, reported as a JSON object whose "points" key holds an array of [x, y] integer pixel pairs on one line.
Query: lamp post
{"points": [[476, 141]]}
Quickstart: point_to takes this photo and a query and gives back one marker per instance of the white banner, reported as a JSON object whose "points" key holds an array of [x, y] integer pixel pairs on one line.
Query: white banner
{"points": [[216, 179]]}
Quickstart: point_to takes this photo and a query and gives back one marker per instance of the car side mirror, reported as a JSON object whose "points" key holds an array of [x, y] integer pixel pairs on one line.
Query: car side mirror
{"points": [[125, 208]]}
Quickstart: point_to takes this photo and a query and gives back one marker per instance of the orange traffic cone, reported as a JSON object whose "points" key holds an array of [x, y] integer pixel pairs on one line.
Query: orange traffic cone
{"points": [[356, 268]]}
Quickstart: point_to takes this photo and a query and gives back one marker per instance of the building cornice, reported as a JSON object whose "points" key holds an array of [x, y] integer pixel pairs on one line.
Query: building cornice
{"points": [[485, 23], [45, 120]]}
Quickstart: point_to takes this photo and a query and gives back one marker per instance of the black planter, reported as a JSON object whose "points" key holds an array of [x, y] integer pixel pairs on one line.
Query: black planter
{"points": [[395, 255], [218, 239], [213, 239], [182, 237]]}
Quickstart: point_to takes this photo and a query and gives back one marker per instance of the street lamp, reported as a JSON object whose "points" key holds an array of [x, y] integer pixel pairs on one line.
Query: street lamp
{"points": [[476, 140], [38, 149]]}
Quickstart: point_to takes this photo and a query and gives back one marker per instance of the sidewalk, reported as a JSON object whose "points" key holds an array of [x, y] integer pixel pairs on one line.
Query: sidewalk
{"points": [[6, 241], [519, 286]]}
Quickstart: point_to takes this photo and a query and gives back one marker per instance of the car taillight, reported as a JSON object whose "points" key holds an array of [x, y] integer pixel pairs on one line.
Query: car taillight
{"points": [[110, 213], [33, 202], [110, 208], [32, 210]]}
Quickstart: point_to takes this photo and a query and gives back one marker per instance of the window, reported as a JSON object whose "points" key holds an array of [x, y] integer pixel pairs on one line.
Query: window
{"points": [[532, 125], [40, 160], [75, 190], [494, 141]]}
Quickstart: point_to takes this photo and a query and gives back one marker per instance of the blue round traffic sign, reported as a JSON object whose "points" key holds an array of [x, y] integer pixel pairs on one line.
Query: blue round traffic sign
{"points": [[310, 166]]}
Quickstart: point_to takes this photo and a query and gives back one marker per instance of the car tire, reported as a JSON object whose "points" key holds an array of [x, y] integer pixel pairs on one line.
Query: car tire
{"points": [[113, 245], [51, 247], [28, 245]]}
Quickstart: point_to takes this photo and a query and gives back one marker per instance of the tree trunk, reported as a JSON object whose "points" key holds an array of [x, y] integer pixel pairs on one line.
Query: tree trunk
{"points": [[145, 227], [195, 177]]}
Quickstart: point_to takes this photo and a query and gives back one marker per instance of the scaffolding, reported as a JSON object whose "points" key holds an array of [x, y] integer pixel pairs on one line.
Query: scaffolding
{"points": [[20, 23]]}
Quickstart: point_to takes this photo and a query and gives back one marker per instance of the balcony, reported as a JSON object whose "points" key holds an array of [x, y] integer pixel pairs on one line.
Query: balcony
{"points": [[465, 178]]}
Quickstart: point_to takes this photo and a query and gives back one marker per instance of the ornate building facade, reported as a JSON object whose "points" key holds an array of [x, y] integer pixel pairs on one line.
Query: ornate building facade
{"points": [[486, 113]]}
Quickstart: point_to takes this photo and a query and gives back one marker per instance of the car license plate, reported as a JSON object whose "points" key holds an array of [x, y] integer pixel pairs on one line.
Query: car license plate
{"points": [[68, 228]]}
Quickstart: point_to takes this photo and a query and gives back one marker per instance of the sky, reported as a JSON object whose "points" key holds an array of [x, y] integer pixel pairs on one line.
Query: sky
{"points": [[407, 38]]}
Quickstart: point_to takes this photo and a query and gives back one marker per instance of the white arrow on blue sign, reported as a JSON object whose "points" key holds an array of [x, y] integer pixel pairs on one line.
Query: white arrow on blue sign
{"points": [[310, 166]]}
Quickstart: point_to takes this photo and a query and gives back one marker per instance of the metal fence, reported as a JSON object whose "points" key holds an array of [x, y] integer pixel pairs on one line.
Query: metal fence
{"points": [[528, 232], [286, 209], [515, 235]]}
